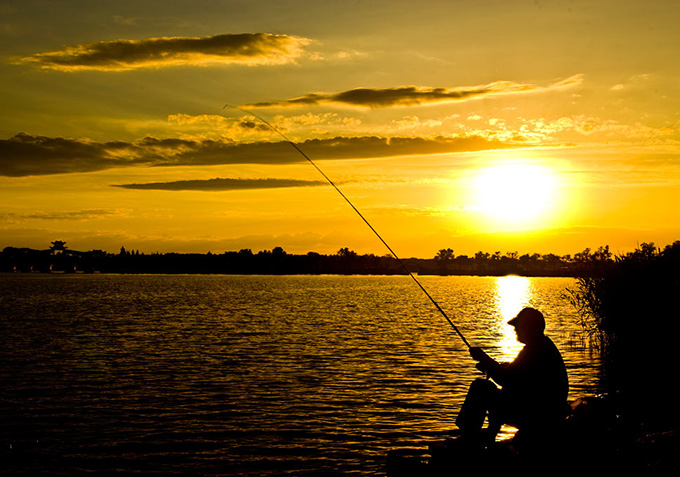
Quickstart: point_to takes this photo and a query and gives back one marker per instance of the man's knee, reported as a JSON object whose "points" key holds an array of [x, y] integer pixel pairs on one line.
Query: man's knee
{"points": [[483, 387]]}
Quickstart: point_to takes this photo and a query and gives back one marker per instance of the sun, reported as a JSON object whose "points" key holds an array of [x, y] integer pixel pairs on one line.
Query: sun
{"points": [[516, 194]]}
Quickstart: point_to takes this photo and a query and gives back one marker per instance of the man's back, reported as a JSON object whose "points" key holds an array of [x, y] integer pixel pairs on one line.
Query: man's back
{"points": [[536, 381]]}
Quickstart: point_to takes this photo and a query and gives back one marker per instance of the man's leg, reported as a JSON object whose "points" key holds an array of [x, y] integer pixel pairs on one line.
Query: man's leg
{"points": [[497, 417], [482, 397]]}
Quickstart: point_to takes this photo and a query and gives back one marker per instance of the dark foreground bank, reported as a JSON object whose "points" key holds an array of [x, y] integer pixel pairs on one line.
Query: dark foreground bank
{"points": [[593, 440]]}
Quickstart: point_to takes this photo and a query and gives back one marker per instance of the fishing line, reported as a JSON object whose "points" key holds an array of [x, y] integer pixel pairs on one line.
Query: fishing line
{"points": [[328, 179]]}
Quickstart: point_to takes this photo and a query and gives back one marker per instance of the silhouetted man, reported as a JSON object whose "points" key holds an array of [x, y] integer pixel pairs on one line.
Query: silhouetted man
{"points": [[534, 387]]}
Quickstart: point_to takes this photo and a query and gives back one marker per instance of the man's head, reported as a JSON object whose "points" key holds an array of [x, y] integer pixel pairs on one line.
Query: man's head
{"points": [[529, 324]]}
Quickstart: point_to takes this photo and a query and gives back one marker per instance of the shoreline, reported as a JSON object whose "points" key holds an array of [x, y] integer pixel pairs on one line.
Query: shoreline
{"points": [[292, 274]]}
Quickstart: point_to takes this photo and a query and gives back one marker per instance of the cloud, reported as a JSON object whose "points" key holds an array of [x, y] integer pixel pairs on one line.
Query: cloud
{"points": [[122, 55], [216, 122], [73, 215], [219, 184], [86, 214], [249, 128], [605, 129], [415, 95], [632, 82], [26, 155], [126, 21]]}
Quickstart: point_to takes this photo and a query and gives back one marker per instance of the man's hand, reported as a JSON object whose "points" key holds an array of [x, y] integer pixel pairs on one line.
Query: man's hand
{"points": [[478, 354], [486, 362]]}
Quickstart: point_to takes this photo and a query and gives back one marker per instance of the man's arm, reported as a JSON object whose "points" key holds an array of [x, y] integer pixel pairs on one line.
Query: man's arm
{"points": [[488, 365]]}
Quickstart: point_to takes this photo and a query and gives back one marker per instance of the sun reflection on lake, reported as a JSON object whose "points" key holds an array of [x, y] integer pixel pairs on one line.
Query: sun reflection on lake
{"points": [[512, 294]]}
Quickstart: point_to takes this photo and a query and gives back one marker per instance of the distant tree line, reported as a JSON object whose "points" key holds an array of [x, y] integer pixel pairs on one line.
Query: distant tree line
{"points": [[59, 259]]}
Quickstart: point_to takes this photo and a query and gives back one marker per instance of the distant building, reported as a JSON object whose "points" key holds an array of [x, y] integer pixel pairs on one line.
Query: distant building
{"points": [[58, 247]]}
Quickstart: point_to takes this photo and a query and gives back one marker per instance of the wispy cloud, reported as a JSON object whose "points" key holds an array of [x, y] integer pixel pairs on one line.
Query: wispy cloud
{"points": [[219, 184], [415, 95], [25, 155], [216, 121], [121, 55], [86, 214], [632, 82], [249, 128]]}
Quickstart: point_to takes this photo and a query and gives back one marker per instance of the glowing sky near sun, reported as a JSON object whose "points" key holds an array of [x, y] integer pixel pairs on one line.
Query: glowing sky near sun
{"points": [[522, 126]]}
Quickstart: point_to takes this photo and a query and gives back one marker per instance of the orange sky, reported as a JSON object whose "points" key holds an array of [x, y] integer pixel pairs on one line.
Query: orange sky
{"points": [[542, 127]]}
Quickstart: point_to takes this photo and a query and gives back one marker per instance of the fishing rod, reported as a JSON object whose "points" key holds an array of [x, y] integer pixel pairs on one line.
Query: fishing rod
{"points": [[328, 179]]}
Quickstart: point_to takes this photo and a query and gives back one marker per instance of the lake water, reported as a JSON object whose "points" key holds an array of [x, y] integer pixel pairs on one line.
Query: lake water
{"points": [[249, 375]]}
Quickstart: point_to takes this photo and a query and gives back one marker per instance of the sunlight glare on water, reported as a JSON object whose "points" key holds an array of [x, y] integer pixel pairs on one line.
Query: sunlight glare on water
{"points": [[512, 294]]}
